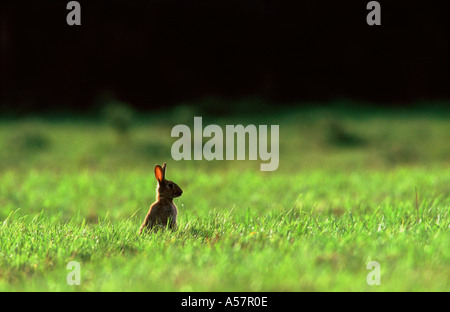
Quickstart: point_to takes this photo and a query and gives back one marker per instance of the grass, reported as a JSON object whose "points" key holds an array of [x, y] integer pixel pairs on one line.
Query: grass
{"points": [[312, 225]]}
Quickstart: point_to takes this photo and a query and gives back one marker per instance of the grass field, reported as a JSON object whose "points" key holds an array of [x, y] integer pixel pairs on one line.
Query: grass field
{"points": [[77, 189]]}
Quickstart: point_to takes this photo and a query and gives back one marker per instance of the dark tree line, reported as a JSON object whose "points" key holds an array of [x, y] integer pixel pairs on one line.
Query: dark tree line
{"points": [[160, 53]]}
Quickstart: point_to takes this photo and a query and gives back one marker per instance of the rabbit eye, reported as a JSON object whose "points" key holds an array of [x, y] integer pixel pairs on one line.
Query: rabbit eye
{"points": [[170, 185]]}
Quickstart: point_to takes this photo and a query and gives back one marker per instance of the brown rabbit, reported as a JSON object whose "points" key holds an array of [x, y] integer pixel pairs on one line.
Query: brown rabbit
{"points": [[162, 212]]}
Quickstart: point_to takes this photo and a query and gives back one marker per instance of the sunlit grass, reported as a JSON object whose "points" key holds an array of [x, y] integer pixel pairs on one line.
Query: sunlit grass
{"points": [[314, 224]]}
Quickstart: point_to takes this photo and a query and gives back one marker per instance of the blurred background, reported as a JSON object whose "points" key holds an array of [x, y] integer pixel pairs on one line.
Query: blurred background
{"points": [[106, 94], [157, 54]]}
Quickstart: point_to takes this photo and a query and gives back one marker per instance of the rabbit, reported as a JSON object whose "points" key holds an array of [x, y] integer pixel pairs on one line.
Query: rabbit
{"points": [[163, 212]]}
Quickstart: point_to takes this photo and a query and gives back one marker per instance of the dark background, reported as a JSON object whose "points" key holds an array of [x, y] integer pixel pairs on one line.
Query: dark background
{"points": [[154, 54]]}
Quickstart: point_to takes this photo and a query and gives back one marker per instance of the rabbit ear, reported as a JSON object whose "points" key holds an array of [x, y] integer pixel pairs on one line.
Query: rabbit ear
{"points": [[159, 173], [164, 170]]}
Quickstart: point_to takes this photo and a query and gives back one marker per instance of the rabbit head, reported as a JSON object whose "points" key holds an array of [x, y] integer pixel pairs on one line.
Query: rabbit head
{"points": [[166, 188]]}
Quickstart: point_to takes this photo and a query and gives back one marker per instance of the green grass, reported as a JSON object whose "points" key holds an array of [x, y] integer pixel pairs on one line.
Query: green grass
{"points": [[74, 190]]}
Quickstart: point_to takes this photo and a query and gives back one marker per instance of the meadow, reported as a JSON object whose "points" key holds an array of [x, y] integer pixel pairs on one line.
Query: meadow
{"points": [[353, 186]]}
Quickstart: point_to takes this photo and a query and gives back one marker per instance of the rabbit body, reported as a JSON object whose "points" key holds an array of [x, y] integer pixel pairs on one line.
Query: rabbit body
{"points": [[163, 212]]}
